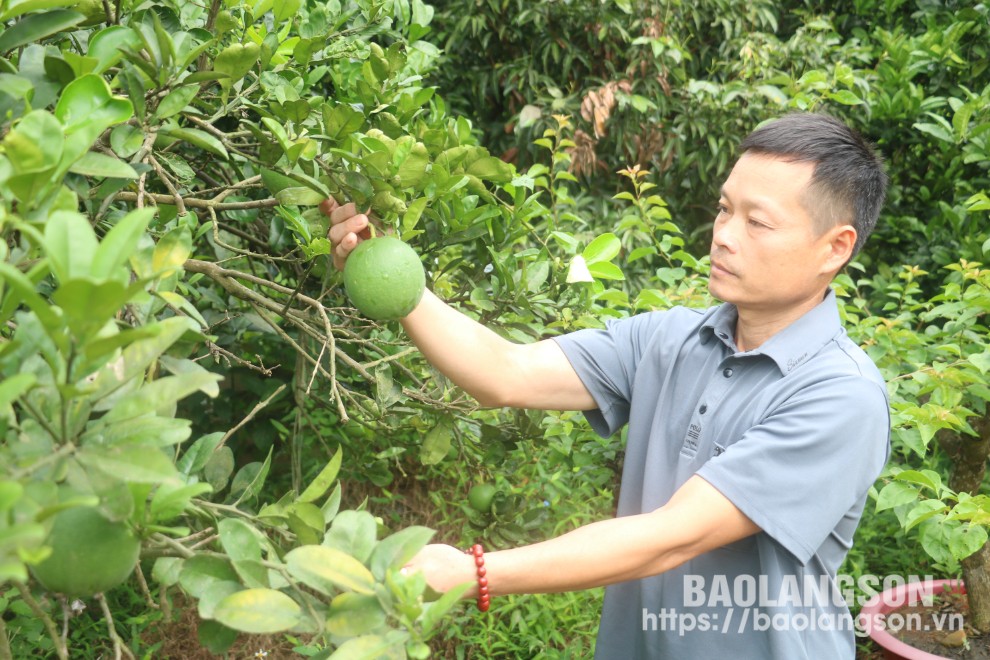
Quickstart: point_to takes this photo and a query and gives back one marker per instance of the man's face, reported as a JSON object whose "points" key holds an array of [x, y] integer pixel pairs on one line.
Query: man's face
{"points": [[767, 254]]}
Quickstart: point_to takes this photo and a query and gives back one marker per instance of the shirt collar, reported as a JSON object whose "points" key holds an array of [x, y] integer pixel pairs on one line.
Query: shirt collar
{"points": [[790, 347]]}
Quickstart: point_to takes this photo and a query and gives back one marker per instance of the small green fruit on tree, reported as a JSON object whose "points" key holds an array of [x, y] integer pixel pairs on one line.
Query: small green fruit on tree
{"points": [[90, 554], [384, 278], [480, 497]]}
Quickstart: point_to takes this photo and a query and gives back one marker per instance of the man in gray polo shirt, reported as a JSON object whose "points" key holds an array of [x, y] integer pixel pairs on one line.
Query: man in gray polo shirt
{"points": [[756, 427]]}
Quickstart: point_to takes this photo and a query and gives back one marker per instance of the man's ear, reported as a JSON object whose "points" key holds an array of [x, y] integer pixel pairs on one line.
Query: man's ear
{"points": [[841, 242]]}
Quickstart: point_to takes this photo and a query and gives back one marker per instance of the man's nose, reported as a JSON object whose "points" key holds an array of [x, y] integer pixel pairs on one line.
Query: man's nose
{"points": [[724, 234]]}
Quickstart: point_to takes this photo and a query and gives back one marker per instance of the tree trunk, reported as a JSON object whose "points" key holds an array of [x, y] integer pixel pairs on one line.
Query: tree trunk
{"points": [[969, 460]]}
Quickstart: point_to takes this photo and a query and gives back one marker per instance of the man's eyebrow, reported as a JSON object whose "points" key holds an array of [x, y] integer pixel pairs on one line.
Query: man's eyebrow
{"points": [[754, 204]]}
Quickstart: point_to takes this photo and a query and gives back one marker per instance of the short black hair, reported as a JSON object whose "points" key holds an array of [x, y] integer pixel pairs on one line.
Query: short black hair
{"points": [[849, 178]]}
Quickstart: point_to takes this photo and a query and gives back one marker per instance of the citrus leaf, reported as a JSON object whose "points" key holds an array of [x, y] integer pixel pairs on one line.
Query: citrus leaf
{"points": [[351, 615], [603, 248], [327, 570], [130, 462], [71, 244], [197, 138], [370, 647], [103, 167], [239, 539], [396, 550], [119, 243], [323, 480], [258, 611], [36, 27]]}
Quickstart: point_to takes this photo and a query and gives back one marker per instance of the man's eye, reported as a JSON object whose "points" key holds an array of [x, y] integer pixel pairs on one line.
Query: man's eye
{"points": [[756, 223], [721, 209]]}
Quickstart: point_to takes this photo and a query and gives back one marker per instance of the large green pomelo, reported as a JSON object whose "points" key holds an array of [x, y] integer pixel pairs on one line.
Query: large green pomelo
{"points": [[90, 553], [384, 278]]}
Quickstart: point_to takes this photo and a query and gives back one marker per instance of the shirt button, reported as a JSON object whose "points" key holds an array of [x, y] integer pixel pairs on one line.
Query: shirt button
{"points": [[702, 409], [727, 372]]}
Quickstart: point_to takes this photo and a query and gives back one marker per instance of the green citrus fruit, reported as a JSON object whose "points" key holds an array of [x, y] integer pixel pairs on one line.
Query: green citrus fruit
{"points": [[384, 278], [480, 497], [90, 554]]}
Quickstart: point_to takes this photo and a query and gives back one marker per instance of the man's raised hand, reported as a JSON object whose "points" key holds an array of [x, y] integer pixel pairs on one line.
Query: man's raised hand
{"points": [[347, 229]]}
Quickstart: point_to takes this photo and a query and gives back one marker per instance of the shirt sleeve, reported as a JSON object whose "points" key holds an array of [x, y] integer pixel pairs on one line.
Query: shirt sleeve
{"points": [[606, 360], [800, 470]]}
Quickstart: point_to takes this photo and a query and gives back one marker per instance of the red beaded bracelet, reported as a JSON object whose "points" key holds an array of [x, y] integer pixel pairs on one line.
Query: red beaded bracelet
{"points": [[484, 598]]}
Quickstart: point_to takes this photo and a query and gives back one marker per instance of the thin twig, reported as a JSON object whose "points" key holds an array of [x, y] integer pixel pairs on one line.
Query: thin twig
{"points": [[196, 203], [143, 583], [250, 416], [59, 643], [118, 643], [4, 642], [176, 197]]}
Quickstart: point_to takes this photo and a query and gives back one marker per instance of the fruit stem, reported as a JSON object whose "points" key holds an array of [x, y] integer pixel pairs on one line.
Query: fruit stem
{"points": [[372, 230]]}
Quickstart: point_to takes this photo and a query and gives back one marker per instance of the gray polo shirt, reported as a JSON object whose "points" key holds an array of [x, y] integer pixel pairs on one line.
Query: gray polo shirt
{"points": [[793, 433]]}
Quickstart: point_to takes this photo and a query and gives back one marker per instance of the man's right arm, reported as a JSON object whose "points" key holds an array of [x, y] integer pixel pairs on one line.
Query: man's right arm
{"points": [[492, 369]]}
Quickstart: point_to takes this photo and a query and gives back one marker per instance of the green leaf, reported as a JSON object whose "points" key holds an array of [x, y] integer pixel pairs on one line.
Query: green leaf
{"points": [[965, 540], [927, 478], [299, 196], [88, 106], [36, 27], [307, 522], [396, 550], [436, 444], [10, 492], [102, 166], [71, 245], [176, 100], [352, 614], [923, 511], [370, 647], [162, 392], [89, 305], [18, 7], [250, 479], [353, 532], [106, 46], [119, 243], [214, 594], [239, 540], [138, 356], [437, 610], [606, 270], [492, 169], [171, 251], [11, 388], [937, 131], [126, 140], [235, 61], [170, 500], [895, 494], [981, 361], [197, 138], [134, 463], [166, 570], [199, 454], [603, 248], [327, 570], [200, 572], [258, 611], [319, 486], [845, 97], [35, 144], [219, 467]]}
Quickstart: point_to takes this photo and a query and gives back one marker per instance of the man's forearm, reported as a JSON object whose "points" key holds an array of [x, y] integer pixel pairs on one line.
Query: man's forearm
{"points": [[697, 519], [475, 358]]}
